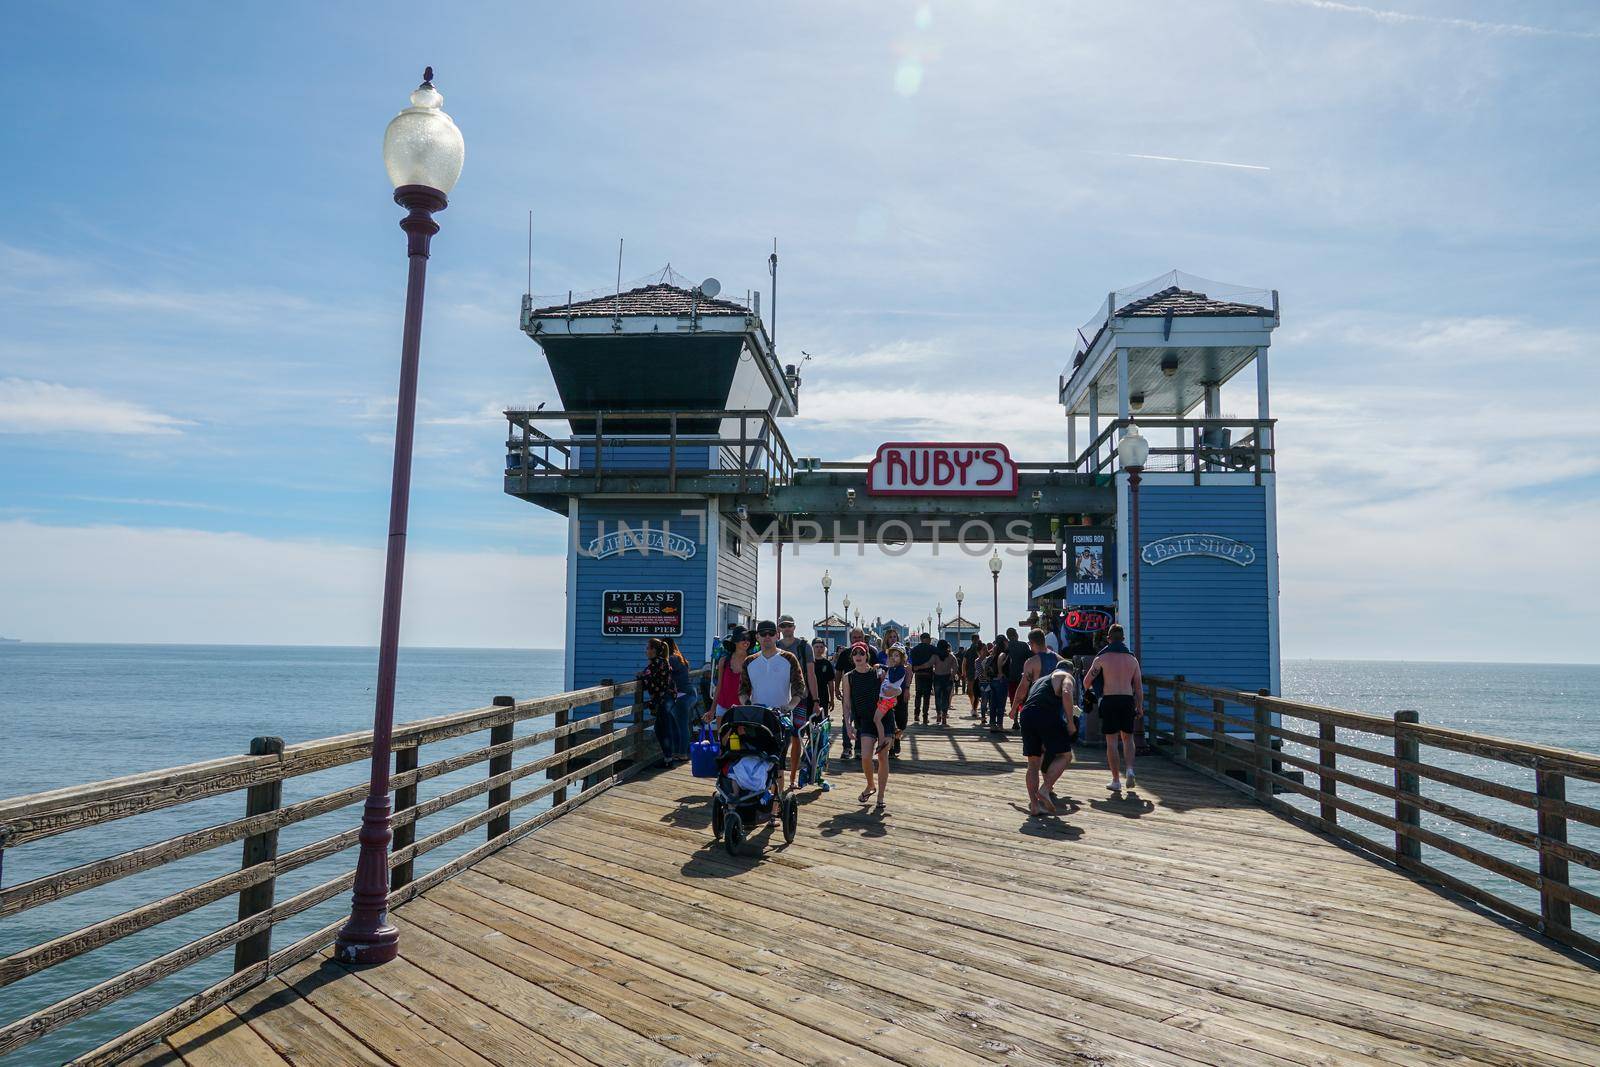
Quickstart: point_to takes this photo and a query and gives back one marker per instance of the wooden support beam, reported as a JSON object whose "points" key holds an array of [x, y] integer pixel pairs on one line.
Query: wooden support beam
{"points": [[501, 735], [259, 848]]}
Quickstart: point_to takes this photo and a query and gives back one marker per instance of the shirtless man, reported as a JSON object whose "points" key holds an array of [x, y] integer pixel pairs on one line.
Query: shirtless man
{"points": [[1121, 703], [1041, 664]]}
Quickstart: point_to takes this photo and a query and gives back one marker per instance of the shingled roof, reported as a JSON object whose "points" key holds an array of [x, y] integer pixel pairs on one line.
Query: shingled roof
{"points": [[1175, 301], [658, 299]]}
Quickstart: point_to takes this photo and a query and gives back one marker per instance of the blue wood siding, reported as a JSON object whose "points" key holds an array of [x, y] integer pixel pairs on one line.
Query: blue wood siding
{"points": [[597, 657], [645, 457], [736, 575], [1204, 618]]}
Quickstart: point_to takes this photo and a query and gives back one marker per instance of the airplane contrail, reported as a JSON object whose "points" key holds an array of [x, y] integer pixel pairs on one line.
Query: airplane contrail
{"points": [[1508, 29], [1181, 159]]}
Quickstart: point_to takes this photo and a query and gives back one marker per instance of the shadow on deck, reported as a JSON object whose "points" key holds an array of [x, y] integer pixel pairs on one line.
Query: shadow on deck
{"points": [[1179, 924]]}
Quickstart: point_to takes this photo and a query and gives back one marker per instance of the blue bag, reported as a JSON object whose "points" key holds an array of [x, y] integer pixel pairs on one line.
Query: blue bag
{"points": [[703, 754]]}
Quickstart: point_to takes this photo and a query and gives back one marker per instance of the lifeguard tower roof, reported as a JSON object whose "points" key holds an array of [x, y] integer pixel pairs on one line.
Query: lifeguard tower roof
{"points": [[664, 344], [1181, 334]]}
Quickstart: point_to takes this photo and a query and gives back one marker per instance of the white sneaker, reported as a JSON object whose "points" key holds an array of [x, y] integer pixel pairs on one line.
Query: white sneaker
{"points": [[1132, 781], [1115, 785]]}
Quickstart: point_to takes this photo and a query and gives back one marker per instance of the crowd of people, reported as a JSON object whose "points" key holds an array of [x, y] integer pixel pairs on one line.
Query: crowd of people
{"points": [[881, 687]]}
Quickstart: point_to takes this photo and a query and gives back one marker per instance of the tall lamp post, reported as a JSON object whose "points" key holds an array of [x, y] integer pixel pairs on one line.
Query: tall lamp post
{"points": [[994, 570], [827, 584], [1132, 451], [938, 615], [423, 152], [960, 596]]}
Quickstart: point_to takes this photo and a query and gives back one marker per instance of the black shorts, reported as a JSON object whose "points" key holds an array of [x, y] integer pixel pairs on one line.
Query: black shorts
{"points": [[1116, 714], [1045, 733], [867, 731]]}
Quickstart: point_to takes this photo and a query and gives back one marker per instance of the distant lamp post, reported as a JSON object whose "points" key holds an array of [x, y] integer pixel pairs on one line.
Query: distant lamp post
{"points": [[1132, 452], [960, 596], [423, 152], [827, 584], [938, 615], [994, 571]]}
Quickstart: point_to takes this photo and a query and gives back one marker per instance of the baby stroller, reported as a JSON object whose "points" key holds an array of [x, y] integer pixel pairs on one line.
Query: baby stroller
{"points": [[816, 738], [754, 748]]}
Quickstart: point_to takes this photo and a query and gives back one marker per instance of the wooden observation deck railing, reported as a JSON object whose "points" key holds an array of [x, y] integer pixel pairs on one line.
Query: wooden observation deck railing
{"points": [[1248, 740], [753, 462], [1201, 446], [261, 776]]}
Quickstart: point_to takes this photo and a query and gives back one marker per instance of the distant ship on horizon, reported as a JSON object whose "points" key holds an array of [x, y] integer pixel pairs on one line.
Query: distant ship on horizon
{"points": [[10, 640]]}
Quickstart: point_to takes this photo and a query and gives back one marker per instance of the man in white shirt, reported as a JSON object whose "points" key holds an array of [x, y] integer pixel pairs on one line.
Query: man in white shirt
{"points": [[774, 680]]}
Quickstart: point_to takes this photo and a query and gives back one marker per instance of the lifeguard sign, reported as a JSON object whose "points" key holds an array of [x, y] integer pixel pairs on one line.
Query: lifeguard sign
{"points": [[920, 468]]}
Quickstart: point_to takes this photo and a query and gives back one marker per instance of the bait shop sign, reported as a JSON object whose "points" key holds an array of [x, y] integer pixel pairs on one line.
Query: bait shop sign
{"points": [[921, 468]]}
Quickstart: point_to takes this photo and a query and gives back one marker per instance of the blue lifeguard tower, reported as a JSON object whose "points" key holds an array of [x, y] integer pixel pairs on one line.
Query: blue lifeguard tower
{"points": [[1203, 508], [669, 399]]}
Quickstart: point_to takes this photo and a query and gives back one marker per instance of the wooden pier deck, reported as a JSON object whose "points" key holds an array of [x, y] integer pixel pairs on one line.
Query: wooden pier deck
{"points": [[1182, 924]]}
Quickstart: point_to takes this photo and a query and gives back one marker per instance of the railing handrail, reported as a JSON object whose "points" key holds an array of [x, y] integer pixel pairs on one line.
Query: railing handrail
{"points": [[39, 815], [1247, 752], [1523, 753], [1166, 422]]}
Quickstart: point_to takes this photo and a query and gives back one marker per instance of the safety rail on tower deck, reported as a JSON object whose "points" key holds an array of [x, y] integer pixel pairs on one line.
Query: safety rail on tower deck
{"points": [[609, 757], [1202, 446], [1241, 739], [755, 461]]}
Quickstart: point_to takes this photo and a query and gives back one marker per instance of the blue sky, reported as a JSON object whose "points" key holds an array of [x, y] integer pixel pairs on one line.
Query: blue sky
{"points": [[201, 279]]}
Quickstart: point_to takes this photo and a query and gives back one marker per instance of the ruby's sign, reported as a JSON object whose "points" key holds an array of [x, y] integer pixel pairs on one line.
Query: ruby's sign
{"points": [[916, 468]]}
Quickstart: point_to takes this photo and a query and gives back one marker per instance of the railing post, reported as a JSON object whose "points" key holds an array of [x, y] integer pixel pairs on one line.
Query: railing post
{"points": [[5, 839], [564, 742], [1180, 725], [1327, 759], [1151, 708], [1553, 911], [599, 450], [1406, 783], [1217, 726], [501, 735], [608, 705], [1263, 747], [672, 454], [405, 834], [259, 848]]}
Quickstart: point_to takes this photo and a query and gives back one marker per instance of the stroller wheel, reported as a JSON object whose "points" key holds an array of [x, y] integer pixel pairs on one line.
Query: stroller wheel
{"points": [[732, 833], [790, 812], [718, 813]]}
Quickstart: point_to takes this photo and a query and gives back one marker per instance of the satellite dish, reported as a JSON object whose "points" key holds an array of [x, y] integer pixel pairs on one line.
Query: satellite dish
{"points": [[710, 288]]}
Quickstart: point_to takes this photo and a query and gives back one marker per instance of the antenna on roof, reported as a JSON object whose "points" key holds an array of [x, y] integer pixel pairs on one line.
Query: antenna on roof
{"points": [[619, 277], [527, 294], [772, 267]]}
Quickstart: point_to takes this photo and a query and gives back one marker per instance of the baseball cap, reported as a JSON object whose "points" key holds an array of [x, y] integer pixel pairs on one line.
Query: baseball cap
{"points": [[785, 620], [766, 626]]}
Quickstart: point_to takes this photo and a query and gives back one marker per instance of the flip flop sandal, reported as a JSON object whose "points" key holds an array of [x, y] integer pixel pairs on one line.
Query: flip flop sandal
{"points": [[866, 794]]}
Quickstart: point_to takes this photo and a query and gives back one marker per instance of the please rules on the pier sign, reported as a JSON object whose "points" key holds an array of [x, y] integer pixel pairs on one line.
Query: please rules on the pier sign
{"points": [[642, 613]]}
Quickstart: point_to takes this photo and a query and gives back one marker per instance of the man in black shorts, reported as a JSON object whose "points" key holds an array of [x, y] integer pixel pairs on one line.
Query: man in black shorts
{"points": [[1121, 704], [1048, 733]]}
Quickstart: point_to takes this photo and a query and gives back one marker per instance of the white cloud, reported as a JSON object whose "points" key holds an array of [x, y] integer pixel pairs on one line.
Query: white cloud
{"points": [[35, 407], [121, 583]]}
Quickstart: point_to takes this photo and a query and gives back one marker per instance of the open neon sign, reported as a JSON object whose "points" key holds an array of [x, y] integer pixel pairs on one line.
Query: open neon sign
{"points": [[1087, 620]]}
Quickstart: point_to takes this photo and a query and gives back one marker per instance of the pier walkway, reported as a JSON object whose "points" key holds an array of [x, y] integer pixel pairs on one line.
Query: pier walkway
{"points": [[1180, 924]]}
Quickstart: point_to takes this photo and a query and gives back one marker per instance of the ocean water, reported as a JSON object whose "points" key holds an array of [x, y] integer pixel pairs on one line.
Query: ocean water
{"points": [[71, 714]]}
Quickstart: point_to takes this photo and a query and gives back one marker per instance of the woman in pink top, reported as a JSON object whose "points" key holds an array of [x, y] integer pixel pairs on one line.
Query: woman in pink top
{"points": [[738, 645]]}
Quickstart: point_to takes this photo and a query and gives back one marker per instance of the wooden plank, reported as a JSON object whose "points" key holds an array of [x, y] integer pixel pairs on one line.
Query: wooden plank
{"points": [[222, 1039]]}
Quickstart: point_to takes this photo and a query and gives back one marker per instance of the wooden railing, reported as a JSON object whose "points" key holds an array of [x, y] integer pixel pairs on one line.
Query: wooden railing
{"points": [[755, 460], [589, 752], [1269, 747], [1197, 446]]}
